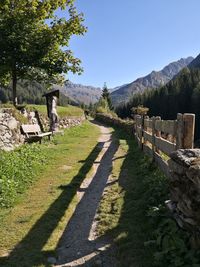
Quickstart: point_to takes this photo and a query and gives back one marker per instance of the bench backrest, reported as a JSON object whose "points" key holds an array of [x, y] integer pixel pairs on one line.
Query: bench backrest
{"points": [[31, 128]]}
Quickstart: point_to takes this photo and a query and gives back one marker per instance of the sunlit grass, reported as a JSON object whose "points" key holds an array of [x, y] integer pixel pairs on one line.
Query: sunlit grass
{"points": [[37, 222], [69, 111], [136, 185]]}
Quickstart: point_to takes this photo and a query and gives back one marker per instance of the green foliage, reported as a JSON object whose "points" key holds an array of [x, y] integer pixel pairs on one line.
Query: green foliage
{"points": [[17, 171], [106, 97], [31, 48], [140, 110], [30, 92], [172, 245], [33, 227], [144, 232], [104, 105], [181, 95]]}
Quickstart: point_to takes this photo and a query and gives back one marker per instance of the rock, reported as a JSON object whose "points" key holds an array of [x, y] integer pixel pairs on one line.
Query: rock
{"points": [[12, 124], [52, 260], [193, 173], [185, 188], [9, 130], [185, 156], [176, 168], [98, 263]]}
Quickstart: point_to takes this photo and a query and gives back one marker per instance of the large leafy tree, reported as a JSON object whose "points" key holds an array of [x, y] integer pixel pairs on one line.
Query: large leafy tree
{"points": [[32, 39]]}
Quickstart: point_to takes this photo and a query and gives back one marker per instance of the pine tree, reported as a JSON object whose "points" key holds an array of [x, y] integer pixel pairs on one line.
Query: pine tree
{"points": [[106, 96]]}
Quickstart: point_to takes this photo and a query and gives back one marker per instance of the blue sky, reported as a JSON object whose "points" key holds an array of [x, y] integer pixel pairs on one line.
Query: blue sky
{"points": [[130, 38]]}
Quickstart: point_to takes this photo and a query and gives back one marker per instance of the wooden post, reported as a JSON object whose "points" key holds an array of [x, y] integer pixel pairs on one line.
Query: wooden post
{"points": [[136, 129], [155, 133], [145, 129], [153, 137], [188, 130], [135, 125], [179, 131], [158, 133], [142, 132]]}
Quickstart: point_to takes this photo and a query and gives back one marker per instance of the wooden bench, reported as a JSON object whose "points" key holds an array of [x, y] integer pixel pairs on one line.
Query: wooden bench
{"points": [[33, 133]]}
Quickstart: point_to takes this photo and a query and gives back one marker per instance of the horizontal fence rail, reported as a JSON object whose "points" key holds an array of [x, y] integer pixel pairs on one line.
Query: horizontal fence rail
{"points": [[159, 138]]}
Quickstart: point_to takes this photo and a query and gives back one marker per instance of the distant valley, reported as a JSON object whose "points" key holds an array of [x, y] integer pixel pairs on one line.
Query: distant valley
{"points": [[80, 93], [76, 94]]}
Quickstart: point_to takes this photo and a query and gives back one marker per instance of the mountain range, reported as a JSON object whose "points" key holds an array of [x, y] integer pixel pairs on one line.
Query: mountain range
{"points": [[90, 94], [153, 80], [31, 92], [80, 93]]}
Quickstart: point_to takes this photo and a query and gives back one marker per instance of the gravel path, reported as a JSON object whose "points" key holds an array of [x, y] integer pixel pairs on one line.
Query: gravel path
{"points": [[79, 245]]}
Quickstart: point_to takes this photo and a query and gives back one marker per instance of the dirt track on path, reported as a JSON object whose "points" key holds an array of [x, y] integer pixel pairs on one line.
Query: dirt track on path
{"points": [[79, 245]]}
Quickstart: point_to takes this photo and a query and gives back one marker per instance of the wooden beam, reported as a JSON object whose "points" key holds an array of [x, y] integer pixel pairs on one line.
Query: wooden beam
{"points": [[163, 165], [147, 150], [148, 123], [148, 137], [164, 145], [166, 126]]}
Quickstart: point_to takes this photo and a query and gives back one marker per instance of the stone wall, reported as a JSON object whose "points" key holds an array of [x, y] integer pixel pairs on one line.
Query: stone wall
{"points": [[63, 123], [10, 135], [185, 191]]}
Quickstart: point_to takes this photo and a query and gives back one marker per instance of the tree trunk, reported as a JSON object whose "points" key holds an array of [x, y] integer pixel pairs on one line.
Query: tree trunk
{"points": [[14, 87]]}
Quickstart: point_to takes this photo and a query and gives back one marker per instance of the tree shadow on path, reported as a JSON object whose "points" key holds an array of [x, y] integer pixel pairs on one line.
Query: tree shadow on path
{"points": [[28, 252], [77, 247]]}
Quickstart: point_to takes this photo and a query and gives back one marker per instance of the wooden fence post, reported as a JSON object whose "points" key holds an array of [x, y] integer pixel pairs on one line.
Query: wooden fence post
{"points": [[145, 129], [155, 133], [153, 137], [142, 131], [188, 130], [135, 125], [179, 131], [158, 133]]}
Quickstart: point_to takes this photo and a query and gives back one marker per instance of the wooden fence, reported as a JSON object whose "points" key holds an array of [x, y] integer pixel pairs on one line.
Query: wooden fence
{"points": [[158, 138]]}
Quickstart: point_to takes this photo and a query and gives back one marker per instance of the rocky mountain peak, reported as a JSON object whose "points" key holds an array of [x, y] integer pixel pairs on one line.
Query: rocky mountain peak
{"points": [[153, 80]]}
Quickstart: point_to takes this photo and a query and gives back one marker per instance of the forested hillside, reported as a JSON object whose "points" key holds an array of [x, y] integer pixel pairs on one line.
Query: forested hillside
{"points": [[80, 93], [30, 93], [153, 80], [182, 94]]}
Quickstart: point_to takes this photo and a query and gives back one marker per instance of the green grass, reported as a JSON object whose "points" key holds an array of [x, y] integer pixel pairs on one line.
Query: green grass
{"points": [[137, 187], [69, 111], [131, 211], [30, 231], [17, 171]]}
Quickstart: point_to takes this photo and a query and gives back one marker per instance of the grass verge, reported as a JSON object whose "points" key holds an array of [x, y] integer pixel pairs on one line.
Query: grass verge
{"points": [[132, 211], [30, 231], [69, 111], [136, 189]]}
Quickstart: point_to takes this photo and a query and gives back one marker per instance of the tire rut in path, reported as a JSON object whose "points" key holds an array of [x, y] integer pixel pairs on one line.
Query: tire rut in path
{"points": [[79, 245]]}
